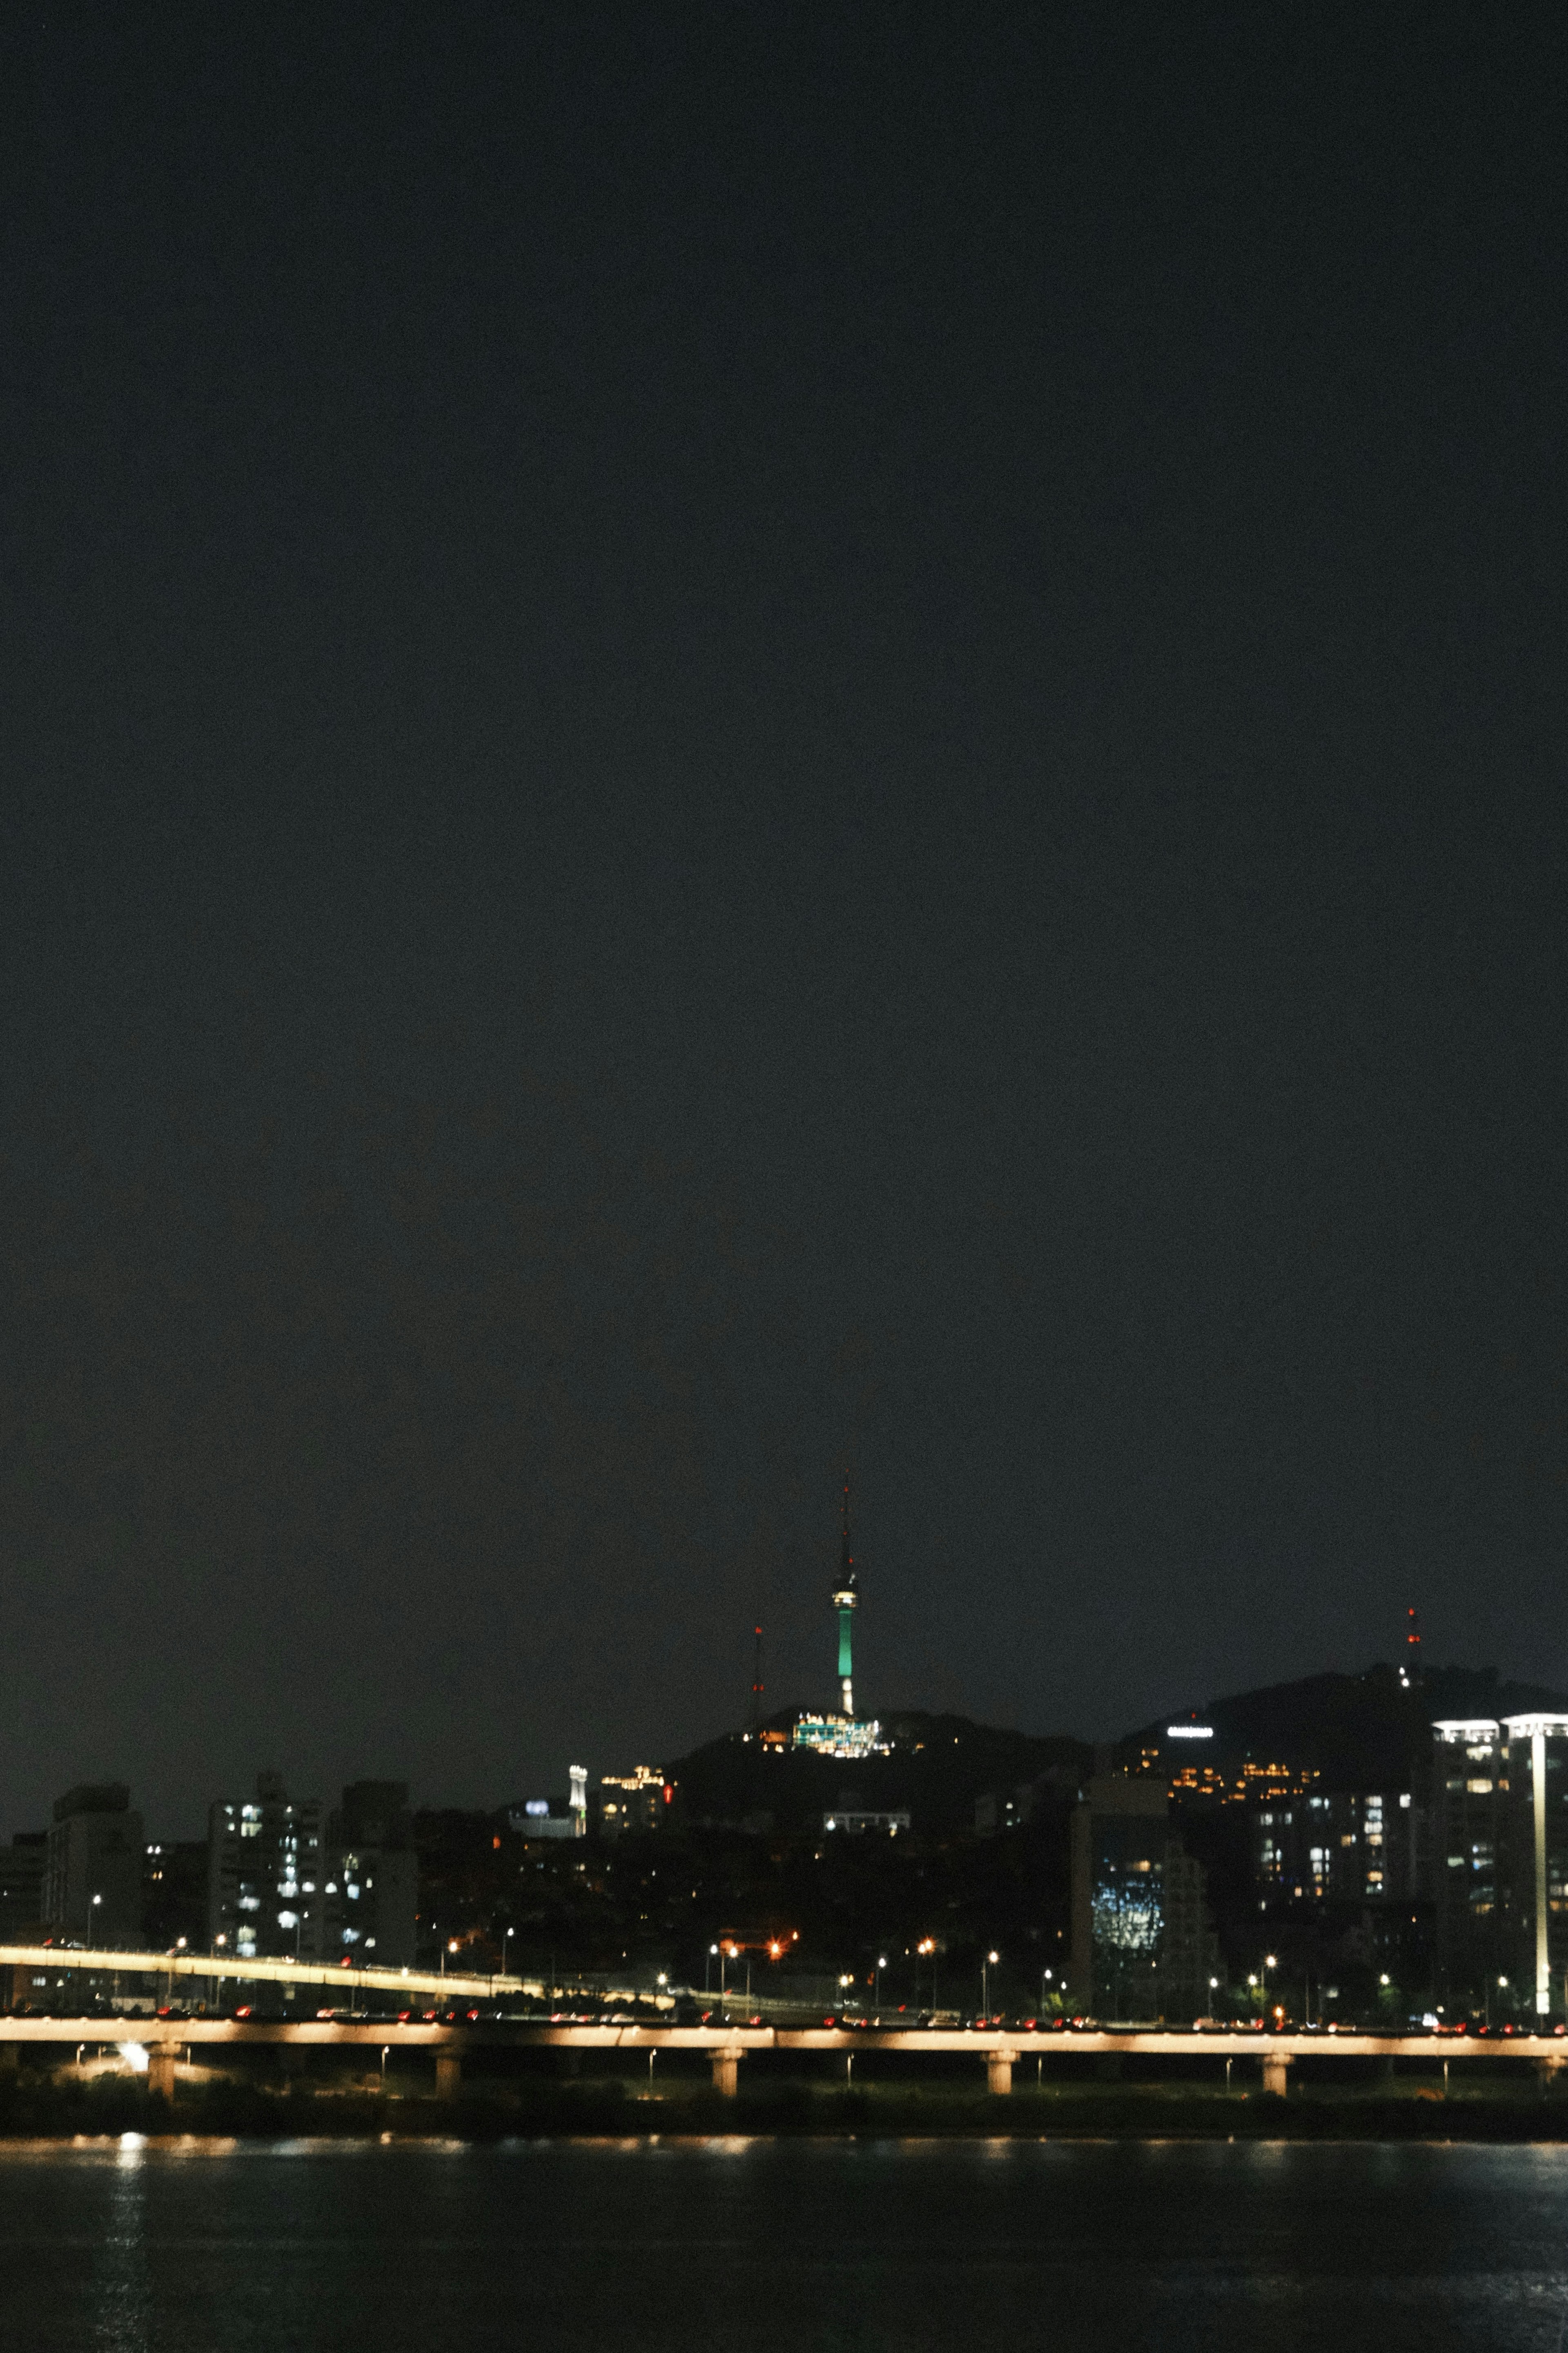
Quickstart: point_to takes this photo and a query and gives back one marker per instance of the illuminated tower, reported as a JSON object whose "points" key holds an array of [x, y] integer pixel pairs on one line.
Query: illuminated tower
{"points": [[845, 1595]]}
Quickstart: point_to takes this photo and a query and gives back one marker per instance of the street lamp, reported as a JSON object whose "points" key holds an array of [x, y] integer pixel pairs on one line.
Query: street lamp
{"points": [[928, 1947], [881, 1964], [988, 1964], [507, 1935], [91, 1910]]}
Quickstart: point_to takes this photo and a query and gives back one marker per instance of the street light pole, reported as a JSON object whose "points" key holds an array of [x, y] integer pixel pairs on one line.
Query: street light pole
{"points": [[91, 1910], [985, 1967]]}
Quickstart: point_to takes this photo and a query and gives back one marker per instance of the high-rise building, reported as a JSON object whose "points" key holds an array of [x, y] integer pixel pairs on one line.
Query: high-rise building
{"points": [[265, 1875], [1532, 1806], [92, 1869], [1467, 1760], [370, 1888], [1500, 1862], [1118, 1838], [21, 1887], [1363, 1846], [175, 1895]]}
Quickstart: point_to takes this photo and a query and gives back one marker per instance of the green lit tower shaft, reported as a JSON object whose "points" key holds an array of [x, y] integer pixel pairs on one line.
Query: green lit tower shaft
{"points": [[845, 1595]]}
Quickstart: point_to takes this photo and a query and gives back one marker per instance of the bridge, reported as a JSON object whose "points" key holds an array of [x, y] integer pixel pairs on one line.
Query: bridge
{"points": [[726, 2045]]}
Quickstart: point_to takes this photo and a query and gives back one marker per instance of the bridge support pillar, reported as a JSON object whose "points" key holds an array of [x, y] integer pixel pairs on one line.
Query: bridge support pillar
{"points": [[448, 2075], [727, 2072], [162, 2059], [1549, 2071], [1275, 2072], [999, 2070]]}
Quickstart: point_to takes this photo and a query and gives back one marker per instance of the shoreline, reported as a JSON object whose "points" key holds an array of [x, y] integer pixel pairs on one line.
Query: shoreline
{"points": [[50, 2113]]}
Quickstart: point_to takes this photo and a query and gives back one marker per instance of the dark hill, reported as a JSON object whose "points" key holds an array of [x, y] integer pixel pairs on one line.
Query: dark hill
{"points": [[939, 1766], [1364, 1731]]}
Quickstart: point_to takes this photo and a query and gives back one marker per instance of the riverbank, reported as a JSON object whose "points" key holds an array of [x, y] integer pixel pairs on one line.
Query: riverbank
{"points": [[59, 2107]]}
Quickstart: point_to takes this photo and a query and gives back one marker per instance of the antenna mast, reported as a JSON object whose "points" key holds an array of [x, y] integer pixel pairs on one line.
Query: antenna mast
{"points": [[757, 1679]]}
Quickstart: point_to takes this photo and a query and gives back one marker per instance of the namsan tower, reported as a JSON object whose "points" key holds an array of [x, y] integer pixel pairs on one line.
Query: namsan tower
{"points": [[847, 1593], [843, 1734]]}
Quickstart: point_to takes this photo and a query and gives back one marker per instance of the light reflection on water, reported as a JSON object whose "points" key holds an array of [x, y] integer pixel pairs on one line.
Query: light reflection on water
{"points": [[309, 2246]]}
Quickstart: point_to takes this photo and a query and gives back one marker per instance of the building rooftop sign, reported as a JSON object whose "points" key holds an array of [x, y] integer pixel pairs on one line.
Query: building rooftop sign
{"points": [[1189, 1732]]}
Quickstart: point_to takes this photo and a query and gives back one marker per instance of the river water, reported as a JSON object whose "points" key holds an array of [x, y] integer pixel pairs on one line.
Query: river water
{"points": [[205, 2247]]}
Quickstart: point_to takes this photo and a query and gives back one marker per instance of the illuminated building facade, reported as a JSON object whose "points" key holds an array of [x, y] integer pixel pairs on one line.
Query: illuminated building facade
{"points": [[370, 1888], [556, 1818], [631, 1802], [1500, 1815], [1339, 1845], [1142, 1945], [265, 1896], [1532, 1844], [839, 1735]]}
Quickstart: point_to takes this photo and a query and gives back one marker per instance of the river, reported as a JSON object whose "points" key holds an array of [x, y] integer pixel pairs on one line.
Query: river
{"points": [[205, 2247]]}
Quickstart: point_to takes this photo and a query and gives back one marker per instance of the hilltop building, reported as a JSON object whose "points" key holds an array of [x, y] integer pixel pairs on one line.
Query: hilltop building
{"points": [[632, 1802]]}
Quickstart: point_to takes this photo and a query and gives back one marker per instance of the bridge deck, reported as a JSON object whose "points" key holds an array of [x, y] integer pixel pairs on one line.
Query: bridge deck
{"points": [[378, 2033]]}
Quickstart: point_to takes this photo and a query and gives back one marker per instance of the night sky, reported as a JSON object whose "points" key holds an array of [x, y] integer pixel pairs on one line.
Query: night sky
{"points": [[747, 738]]}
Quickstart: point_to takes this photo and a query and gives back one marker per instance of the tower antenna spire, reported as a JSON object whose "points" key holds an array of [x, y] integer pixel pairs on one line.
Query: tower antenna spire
{"points": [[757, 1679], [1410, 1672]]}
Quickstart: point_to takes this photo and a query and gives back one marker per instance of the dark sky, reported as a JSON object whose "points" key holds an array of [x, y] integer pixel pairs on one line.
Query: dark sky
{"points": [[736, 738]]}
